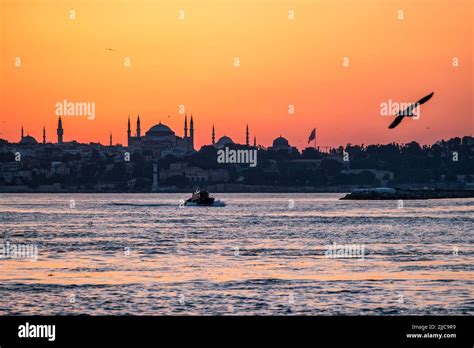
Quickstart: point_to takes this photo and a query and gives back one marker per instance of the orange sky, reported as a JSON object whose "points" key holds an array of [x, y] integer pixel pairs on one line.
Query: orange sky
{"points": [[190, 62]]}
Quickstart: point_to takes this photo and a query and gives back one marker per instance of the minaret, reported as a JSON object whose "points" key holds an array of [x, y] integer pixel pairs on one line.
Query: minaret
{"points": [[138, 127], [129, 131], [247, 136], [254, 141], [22, 133], [60, 131], [44, 135], [213, 136], [110, 143], [191, 132], [185, 126]]}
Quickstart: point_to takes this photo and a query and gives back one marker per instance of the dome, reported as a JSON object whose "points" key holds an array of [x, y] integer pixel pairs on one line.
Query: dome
{"points": [[160, 130], [28, 140], [223, 141], [280, 142]]}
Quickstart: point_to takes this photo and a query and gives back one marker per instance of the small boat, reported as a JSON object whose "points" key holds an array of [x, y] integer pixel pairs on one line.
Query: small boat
{"points": [[201, 198]]}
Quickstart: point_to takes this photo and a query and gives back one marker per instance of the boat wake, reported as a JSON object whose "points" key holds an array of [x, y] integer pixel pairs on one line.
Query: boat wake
{"points": [[143, 205], [219, 203]]}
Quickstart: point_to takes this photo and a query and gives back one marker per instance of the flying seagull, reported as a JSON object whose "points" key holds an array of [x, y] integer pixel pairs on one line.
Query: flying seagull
{"points": [[110, 49], [408, 112]]}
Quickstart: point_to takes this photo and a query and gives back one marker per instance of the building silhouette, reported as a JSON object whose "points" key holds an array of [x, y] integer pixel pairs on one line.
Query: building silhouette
{"points": [[162, 140]]}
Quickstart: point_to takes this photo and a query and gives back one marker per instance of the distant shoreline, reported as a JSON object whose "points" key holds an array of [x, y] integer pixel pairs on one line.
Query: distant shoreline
{"points": [[219, 188], [166, 191], [408, 194], [345, 194]]}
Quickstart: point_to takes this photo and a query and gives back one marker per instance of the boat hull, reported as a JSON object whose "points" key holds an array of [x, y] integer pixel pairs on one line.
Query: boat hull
{"points": [[216, 203]]}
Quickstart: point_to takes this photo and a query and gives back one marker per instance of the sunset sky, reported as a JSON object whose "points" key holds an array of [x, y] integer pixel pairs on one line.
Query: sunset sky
{"points": [[283, 62]]}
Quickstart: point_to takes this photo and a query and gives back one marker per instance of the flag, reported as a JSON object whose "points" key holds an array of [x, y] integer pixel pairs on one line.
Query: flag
{"points": [[312, 136]]}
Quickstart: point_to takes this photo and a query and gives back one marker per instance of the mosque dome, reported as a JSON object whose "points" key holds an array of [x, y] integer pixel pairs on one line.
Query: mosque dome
{"points": [[160, 130], [224, 141], [280, 143], [28, 140]]}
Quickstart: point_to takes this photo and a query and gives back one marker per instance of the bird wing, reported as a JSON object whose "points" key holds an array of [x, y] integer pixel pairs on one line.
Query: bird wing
{"points": [[425, 99], [396, 122], [408, 111]]}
